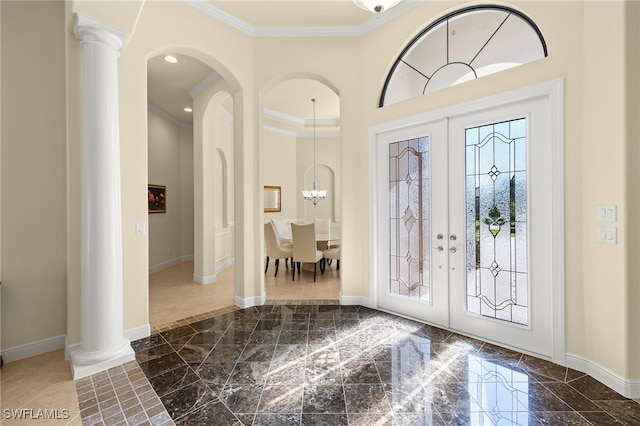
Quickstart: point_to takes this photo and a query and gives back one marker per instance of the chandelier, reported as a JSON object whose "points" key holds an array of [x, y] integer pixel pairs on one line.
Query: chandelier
{"points": [[315, 194], [376, 6]]}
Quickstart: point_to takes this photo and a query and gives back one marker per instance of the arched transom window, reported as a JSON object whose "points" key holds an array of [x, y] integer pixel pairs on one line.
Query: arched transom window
{"points": [[462, 46]]}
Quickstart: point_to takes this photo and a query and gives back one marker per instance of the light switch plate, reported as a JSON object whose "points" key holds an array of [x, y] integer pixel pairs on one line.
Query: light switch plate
{"points": [[141, 228], [607, 213], [607, 235]]}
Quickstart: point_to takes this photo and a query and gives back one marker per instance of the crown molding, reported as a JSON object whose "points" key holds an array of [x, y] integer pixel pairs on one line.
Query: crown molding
{"points": [[338, 31], [204, 83]]}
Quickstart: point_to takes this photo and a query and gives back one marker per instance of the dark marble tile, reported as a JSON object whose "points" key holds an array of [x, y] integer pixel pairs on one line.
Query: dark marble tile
{"points": [[369, 398], [290, 374], [224, 353], [157, 366], [215, 374], [241, 398], [207, 337], [149, 353], [187, 399], [298, 337], [543, 370], [594, 390], [281, 399], [257, 353], [323, 399], [177, 333], [148, 342], [324, 419], [627, 412], [268, 337], [601, 418], [368, 419], [235, 337], [567, 418], [194, 353], [571, 397], [173, 380], [269, 325], [359, 372], [246, 419], [213, 413], [323, 355], [249, 373], [322, 338], [276, 419], [429, 418], [336, 365], [286, 353]]}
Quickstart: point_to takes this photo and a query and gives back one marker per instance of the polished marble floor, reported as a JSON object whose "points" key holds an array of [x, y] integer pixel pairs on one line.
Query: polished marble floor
{"points": [[350, 365]]}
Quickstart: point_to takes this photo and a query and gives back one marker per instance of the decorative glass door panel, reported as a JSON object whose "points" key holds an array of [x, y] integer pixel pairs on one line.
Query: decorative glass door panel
{"points": [[409, 219], [464, 223], [496, 205]]}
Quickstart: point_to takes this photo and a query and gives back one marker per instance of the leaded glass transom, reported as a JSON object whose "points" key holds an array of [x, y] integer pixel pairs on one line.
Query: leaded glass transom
{"points": [[409, 219], [496, 206], [462, 46]]}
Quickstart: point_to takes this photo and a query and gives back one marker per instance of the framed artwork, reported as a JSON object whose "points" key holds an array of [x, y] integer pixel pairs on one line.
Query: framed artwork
{"points": [[157, 197], [272, 199]]}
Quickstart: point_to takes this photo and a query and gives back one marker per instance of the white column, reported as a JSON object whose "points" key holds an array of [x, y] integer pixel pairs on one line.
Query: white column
{"points": [[103, 343]]}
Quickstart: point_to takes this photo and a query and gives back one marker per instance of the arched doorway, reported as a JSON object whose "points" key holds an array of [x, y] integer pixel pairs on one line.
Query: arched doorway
{"points": [[190, 156], [294, 144]]}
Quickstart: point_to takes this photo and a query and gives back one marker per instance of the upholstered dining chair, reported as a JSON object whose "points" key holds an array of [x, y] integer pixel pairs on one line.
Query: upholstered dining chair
{"points": [[333, 253], [323, 226], [305, 249], [274, 249], [282, 232]]}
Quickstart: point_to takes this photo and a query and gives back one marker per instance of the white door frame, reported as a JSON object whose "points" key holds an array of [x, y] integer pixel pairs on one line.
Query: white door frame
{"points": [[554, 90]]}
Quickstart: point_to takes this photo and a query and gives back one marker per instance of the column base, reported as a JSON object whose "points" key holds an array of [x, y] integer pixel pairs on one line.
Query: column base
{"points": [[85, 364]]}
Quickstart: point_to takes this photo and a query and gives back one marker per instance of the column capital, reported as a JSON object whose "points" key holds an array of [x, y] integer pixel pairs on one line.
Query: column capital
{"points": [[92, 31]]}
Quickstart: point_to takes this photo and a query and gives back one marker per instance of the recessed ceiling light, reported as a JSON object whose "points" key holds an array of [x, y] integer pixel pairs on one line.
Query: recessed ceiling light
{"points": [[171, 59], [188, 109]]}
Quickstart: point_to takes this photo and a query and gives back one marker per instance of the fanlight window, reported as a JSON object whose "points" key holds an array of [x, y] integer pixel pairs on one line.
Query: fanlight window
{"points": [[463, 46]]}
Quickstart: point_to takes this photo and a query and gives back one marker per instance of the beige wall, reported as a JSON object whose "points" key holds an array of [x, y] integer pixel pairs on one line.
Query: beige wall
{"points": [[33, 172], [169, 144], [592, 46], [279, 169]]}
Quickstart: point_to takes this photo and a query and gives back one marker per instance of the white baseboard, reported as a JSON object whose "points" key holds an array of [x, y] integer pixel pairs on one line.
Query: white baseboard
{"points": [[250, 301], [224, 265], [32, 349], [170, 262], [629, 388], [355, 300], [209, 279], [138, 333]]}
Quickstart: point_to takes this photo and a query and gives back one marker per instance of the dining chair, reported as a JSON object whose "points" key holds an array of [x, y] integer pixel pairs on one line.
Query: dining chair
{"points": [[274, 249], [282, 232], [305, 249], [323, 226], [333, 253]]}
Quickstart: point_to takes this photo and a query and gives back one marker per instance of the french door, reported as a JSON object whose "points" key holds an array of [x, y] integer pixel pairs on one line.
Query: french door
{"points": [[464, 214]]}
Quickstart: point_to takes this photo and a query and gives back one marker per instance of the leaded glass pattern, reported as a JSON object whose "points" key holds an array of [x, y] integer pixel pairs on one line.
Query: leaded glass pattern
{"points": [[496, 221], [465, 45], [409, 219]]}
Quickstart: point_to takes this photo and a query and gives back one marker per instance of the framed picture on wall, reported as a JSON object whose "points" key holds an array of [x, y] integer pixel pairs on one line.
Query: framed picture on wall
{"points": [[157, 197]]}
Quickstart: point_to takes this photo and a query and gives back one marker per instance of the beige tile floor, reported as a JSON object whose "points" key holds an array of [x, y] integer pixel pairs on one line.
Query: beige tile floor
{"points": [[44, 382], [173, 294]]}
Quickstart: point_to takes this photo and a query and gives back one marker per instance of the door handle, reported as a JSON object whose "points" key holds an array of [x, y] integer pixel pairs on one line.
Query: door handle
{"points": [[439, 248], [453, 249]]}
